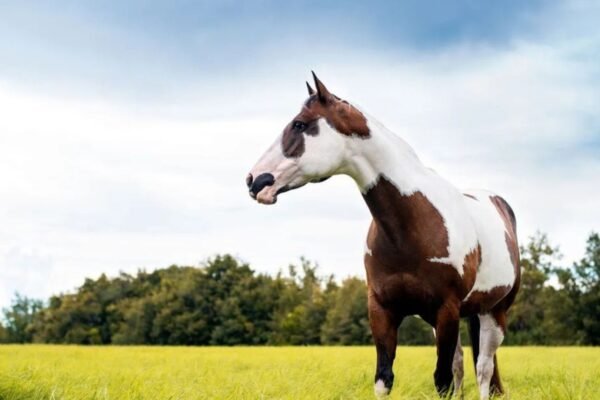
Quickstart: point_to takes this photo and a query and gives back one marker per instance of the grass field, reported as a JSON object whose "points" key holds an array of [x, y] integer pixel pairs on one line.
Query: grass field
{"points": [[74, 372]]}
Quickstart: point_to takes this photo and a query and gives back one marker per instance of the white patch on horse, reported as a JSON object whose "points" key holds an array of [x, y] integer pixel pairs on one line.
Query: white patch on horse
{"points": [[490, 338], [496, 267], [368, 251], [323, 153], [380, 389]]}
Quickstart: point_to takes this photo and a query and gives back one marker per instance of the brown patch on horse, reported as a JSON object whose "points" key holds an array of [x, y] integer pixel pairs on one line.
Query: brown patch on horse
{"points": [[292, 144], [510, 224], [292, 140], [513, 249], [410, 222], [339, 114], [471, 266], [346, 119]]}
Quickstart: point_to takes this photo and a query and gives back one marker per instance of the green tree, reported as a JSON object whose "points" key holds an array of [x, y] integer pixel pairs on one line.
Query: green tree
{"points": [[347, 321], [224, 302], [19, 318], [3, 334], [414, 331], [302, 307], [587, 276], [538, 261], [245, 313]]}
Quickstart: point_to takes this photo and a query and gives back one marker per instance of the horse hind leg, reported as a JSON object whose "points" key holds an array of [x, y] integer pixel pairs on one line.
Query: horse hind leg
{"points": [[457, 367], [491, 334], [446, 329], [496, 388], [474, 336]]}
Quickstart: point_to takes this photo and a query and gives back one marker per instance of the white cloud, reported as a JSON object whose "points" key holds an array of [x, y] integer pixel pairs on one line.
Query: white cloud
{"points": [[91, 185]]}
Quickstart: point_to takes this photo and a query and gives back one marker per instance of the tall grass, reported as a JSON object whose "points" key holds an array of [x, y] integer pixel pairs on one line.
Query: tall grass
{"points": [[73, 372]]}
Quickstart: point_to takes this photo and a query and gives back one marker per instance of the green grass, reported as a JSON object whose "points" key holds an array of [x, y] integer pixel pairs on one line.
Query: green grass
{"points": [[74, 372]]}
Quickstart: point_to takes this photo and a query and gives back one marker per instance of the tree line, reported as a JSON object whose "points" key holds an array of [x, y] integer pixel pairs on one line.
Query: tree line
{"points": [[225, 302]]}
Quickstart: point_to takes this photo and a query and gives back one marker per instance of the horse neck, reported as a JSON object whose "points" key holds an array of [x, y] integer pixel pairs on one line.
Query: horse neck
{"points": [[388, 172], [384, 154]]}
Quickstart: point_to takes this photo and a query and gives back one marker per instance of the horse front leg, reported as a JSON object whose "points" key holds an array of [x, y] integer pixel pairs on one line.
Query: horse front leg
{"points": [[447, 330], [384, 327]]}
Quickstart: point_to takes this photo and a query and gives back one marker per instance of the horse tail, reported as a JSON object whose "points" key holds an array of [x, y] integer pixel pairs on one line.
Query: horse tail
{"points": [[513, 218], [474, 336]]}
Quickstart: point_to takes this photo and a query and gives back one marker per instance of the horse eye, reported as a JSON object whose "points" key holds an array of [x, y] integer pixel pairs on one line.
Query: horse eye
{"points": [[299, 125]]}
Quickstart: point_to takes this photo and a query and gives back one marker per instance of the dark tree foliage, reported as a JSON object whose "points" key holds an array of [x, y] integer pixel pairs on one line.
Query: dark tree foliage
{"points": [[302, 306], [583, 291], [346, 321], [415, 331], [529, 312], [4, 338], [224, 302], [556, 305], [18, 319]]}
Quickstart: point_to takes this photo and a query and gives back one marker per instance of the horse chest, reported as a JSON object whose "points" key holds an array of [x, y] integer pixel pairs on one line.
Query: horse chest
{"points": [[403, 275]]}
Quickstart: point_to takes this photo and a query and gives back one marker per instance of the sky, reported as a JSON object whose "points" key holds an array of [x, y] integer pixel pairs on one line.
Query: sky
{"points": [[127, 128]]}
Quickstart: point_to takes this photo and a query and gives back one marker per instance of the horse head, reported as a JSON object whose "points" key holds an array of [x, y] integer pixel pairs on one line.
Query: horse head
{"points": [[312, 147]]}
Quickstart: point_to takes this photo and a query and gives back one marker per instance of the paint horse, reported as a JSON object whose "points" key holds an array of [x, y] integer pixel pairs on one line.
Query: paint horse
{"points": [[431, 250]]}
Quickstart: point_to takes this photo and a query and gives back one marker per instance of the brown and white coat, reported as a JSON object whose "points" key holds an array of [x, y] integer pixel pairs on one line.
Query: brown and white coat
{"points": [[431, 250]]}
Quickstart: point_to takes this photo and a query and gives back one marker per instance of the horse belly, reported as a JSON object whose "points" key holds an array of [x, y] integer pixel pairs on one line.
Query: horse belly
{"points": [[497, 272]]}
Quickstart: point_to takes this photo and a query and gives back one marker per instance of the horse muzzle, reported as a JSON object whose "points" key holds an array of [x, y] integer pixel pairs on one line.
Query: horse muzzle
{"points": [[262, 188]]}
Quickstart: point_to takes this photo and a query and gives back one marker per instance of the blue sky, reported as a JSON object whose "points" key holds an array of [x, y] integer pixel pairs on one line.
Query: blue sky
{"points": [[128, 127], [129, 46]]}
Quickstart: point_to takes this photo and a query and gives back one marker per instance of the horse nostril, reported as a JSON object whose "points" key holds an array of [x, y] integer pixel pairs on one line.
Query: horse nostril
{"points": [[261, 181], [249, 180]]}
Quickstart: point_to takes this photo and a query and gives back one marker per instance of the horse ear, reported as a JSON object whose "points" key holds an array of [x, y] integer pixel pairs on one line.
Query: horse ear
{"points": [[311, 91], [322, 91]]}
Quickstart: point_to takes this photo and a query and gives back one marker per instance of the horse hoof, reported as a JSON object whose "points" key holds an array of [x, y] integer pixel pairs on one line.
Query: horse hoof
{"points": [[380, 389]]}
